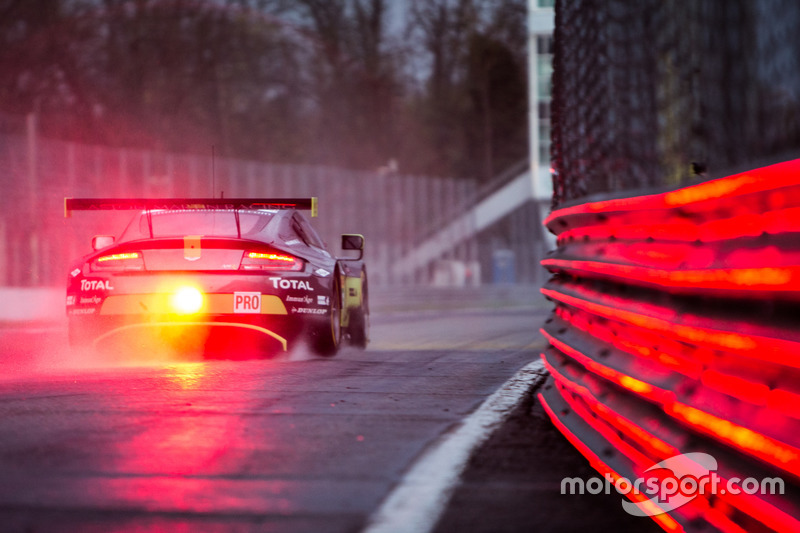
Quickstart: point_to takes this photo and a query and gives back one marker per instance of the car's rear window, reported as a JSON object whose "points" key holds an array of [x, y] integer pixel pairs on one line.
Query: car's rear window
{"points": [[206, 222]]}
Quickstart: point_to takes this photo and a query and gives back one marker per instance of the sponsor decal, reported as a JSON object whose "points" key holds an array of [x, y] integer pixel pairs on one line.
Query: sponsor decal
{"points": [[323, 300], [300, 299], [307, 311], [93, 300], [96, 284], [83, 311], [75, 272], [279, 283], [321, 272], [247, 302], [70, 300]]}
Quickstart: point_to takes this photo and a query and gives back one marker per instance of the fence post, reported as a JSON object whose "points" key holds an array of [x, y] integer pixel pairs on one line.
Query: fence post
{"points": [[122, 180], [3, 254], [33, 186], [33, 175]]}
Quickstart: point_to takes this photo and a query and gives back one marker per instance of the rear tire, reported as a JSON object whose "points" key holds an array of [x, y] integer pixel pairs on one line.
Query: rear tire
{"points": [[359, 328], [327, 336]]}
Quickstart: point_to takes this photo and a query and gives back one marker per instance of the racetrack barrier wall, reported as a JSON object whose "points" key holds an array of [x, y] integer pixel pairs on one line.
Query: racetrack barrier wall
{"points": [[393, 211], [677, 331]]}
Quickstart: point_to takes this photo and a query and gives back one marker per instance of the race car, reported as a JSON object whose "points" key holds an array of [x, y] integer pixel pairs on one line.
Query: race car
{"points": [[213, 273]]}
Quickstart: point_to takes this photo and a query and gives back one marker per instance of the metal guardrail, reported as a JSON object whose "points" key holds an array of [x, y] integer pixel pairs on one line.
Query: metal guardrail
{"points": [[677, 330]]}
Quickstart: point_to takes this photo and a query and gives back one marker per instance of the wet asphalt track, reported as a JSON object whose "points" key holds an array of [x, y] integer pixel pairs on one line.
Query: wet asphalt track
{"points": [[143, 442]]}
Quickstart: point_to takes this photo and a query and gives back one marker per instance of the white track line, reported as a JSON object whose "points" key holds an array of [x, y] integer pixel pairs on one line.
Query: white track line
{"points": [[420, 498]]}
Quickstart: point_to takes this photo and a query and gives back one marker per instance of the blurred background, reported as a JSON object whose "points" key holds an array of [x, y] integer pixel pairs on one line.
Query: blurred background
{"points": [[403, 117], [443, 130]]}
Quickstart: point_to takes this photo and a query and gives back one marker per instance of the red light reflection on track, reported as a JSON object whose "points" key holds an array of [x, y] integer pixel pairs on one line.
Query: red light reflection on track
{"points": [[180, 443], [187, 376]]}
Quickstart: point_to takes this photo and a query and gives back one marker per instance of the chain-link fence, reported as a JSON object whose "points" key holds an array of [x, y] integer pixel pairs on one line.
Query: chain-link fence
{"points": [[653, 93]]}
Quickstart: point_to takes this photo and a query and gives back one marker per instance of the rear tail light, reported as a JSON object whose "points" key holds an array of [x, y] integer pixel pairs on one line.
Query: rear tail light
{"points": [[187, 300], [119, 262], [255, 260]]}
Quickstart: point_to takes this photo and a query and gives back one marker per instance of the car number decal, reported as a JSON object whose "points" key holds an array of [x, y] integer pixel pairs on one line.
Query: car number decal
{"points": [[247, 302]]}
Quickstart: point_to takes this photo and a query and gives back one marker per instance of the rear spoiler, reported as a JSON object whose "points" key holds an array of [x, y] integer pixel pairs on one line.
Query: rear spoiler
{"points": [[119, 204]]}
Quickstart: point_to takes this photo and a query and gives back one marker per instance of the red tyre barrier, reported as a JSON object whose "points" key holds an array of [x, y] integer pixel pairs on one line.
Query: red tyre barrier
{"points": [[677, 331]]}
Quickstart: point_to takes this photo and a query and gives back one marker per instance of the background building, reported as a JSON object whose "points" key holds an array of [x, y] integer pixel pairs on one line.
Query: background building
{"points": [[540, 70]]}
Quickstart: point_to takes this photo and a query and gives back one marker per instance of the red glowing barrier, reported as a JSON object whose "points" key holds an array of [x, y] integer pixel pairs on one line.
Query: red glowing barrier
{"points": [[677, 331]]}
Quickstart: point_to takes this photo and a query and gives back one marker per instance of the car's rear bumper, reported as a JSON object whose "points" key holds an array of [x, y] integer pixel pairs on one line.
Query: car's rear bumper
{"points": [[173, 329], [196, 333]]}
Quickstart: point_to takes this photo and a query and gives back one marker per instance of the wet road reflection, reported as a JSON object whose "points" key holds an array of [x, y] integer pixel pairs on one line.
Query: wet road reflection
{"points": [[286, 444]]}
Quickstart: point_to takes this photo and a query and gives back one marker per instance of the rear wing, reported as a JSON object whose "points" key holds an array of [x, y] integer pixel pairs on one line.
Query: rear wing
{"points": [[147, 204]]}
